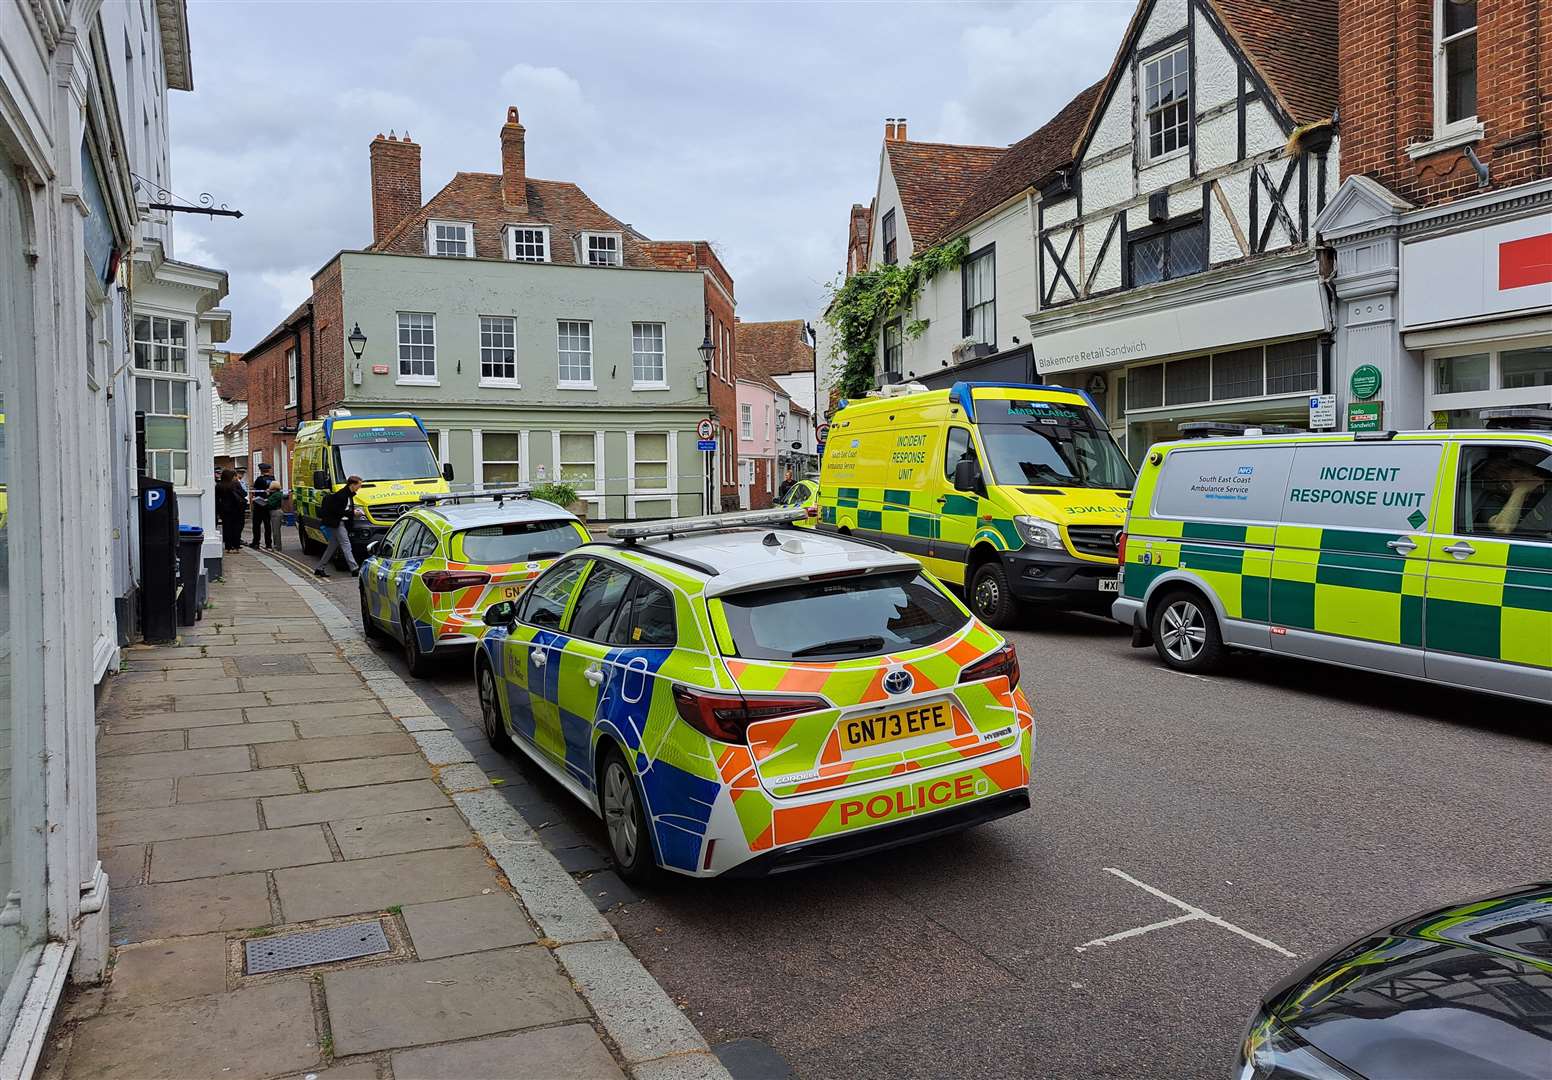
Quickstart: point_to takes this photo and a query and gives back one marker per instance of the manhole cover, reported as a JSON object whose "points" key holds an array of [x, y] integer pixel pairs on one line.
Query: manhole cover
{"points": [[314, 947], [282, 664]]}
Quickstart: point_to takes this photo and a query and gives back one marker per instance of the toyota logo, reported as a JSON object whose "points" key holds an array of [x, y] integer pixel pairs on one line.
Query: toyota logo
{"points": [[898, 682]]}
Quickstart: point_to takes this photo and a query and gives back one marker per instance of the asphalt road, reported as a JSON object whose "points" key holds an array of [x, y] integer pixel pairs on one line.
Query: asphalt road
{"points": [[1295, 804]]}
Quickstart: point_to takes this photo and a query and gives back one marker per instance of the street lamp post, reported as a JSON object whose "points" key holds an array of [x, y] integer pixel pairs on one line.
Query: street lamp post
{"points": [[708, 351]]}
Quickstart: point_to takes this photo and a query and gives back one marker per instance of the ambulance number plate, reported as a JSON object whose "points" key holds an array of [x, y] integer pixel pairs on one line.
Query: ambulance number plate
{"points": [[859, 732], [1109, 584]]}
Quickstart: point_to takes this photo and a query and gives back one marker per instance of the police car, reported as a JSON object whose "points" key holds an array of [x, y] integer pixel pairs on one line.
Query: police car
{"points": [[429, 581], [734, 695]]}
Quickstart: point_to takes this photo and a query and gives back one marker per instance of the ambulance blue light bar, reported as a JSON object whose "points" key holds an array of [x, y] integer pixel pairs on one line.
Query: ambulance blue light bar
{"points": [[960, 393], [707, 523]]}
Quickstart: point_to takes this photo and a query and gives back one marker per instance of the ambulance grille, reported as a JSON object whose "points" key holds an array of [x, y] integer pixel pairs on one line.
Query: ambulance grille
{"points": [[1096, 540], [389, 511]]}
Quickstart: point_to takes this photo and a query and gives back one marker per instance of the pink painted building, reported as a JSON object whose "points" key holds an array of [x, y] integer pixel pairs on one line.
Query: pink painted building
{"points": [[755, 429]]}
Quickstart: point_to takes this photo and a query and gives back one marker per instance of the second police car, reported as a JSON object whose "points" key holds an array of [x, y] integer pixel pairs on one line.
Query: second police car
{"points": [[429, 581], [729, 694]]}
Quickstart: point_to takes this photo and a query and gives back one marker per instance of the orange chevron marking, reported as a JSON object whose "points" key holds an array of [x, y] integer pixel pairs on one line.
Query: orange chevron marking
{"points": [[798, 822], [808, 679], [964, 651], [765, 839], [765, 736], [1007, 774], [832, 749]]}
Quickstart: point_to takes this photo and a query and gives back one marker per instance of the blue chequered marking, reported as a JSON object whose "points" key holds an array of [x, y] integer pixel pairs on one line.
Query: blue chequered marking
{"points": [[544, 681], [679, 804]]}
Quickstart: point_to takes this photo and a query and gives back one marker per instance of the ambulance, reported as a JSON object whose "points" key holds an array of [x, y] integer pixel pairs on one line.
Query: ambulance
{"points": [[391, 454], [1015, 493], [1426, 554]]}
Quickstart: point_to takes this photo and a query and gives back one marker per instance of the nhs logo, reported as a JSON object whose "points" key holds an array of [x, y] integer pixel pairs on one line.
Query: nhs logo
{"points": [[1247, 470]]}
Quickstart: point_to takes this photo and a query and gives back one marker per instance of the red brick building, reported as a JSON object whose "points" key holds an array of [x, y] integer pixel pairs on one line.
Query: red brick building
{"points": [[1442, 229]]}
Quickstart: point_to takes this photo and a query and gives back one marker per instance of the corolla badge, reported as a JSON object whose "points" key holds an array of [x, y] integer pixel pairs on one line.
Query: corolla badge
{"points": [[899, 681]]}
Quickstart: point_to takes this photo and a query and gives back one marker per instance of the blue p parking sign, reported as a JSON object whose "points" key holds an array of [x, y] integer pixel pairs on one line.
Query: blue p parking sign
{"points": [[154, 497]]}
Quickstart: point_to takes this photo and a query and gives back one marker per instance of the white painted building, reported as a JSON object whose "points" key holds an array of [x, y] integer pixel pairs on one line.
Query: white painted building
{"points": [[82, 113], [229, 411], [1177, 279]]}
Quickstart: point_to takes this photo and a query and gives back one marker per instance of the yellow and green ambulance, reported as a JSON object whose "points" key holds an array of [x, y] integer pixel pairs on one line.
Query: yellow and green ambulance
{"points": [[1015, 493], [391, 454], [734, 696], [1426, 554]]}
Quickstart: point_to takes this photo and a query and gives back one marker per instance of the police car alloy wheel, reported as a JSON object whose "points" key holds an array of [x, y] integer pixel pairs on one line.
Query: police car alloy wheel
{"points": [[626, 823], [1185, 632], [490, 711], [369, 625], [414, 659]]}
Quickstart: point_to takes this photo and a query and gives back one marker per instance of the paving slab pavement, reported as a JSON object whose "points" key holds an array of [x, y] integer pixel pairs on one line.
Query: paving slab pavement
{"points": [[257, 780]]}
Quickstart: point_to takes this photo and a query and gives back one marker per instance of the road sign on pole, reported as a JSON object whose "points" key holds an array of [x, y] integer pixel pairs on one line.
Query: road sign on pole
{"points": [[822, 432], [706, 430]]}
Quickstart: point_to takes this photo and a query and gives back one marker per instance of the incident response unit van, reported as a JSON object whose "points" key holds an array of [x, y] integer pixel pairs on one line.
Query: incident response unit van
{"points": [[1425, 554], [391, 454], [1013, 492]]}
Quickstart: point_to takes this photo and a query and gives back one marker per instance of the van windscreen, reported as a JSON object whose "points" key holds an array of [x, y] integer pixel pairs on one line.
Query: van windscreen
{"points": [[1041, 442], [387, 460]]}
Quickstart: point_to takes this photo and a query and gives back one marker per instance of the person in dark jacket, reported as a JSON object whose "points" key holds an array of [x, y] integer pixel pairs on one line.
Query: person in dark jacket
{"points": [[334, 514], [231, 504], [259, 496]]}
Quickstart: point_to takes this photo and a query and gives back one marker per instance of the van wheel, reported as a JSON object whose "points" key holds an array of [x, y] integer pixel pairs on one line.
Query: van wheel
{"points": [[1185, 632], [625, 819], [309, 545], [991, 597], [418, 662]]}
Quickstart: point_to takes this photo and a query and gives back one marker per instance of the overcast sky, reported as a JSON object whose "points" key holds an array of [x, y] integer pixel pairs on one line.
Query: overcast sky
{"points": [[752, 125]]}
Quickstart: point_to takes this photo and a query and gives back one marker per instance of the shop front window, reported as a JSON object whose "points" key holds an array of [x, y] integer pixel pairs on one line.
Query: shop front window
{"points": [[165, 404], [1526, 367], [1187, 380], [1292, 367], [1462, 374], [500, 464]]}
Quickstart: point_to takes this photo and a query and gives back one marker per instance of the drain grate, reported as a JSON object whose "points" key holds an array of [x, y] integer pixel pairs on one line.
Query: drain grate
{"points": [[314, 947]]}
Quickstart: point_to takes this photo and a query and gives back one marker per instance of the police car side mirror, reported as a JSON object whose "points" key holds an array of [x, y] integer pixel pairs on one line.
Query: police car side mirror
{"points": [[447, 472], [374, 547], [967, 475], [320, 478], [503, 613]]}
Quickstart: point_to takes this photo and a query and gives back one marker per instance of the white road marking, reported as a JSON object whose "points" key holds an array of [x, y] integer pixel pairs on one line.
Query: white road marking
{"points": [[1192, 914]]}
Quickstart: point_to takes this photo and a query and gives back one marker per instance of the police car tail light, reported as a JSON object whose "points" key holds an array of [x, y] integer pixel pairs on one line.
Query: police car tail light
{"points": [[726, 717], [1002, 662], [452, 580]]}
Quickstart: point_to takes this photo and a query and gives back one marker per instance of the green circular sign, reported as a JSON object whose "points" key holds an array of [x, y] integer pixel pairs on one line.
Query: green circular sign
{"points": [[1365, 381]]}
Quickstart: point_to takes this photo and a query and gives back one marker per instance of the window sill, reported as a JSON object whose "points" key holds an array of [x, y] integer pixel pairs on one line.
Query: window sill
{"points": [[650, 386], [414, 380], [501, 384], [291, 404], [1467, 134], [576, 386], [1148, 162]]}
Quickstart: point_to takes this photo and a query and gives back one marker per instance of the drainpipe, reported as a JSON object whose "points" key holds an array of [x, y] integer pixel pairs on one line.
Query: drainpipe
{"points": [[312, 363]]}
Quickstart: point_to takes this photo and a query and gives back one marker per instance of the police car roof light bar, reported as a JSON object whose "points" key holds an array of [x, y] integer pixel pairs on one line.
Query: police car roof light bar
{"points": [[709, 523], [499, 494]]}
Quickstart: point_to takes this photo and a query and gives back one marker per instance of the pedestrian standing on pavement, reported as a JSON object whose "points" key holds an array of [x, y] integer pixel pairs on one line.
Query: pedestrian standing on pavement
{"points": [[334, 515], [230, 504], [260, 499], [786, 486]]}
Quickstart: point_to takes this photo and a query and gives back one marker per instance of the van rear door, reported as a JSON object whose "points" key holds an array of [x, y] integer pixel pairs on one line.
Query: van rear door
{"points": [[1351, 553]]}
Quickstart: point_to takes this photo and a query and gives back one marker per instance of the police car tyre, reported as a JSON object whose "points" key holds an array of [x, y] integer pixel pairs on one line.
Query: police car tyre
{"points": [[625, 821], [1185, 632], [491, 712], [418, 662], [991, 597], [369, 625]]}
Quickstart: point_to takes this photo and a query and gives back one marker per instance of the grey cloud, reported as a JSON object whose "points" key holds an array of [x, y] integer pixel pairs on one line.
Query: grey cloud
{"points": [[753, 125]]}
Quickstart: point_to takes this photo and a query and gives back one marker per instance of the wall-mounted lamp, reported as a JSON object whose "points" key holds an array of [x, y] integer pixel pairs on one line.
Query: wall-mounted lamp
{"points": [[357, 341]]}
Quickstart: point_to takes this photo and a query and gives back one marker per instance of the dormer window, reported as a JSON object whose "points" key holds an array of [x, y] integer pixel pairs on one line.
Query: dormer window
{"points": [[454, 239], [601, 249], [1166, 103], [528, 243]]}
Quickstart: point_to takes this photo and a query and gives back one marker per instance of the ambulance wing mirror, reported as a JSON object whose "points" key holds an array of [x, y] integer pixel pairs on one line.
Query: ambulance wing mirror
{"points": [[967, 475], [501, 614], [447, 472], [320, 478]]}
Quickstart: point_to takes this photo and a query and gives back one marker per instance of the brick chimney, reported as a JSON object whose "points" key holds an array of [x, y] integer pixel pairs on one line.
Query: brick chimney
{"points": [[889, 129], [514, 171], [900, 130], [395, 182]]}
